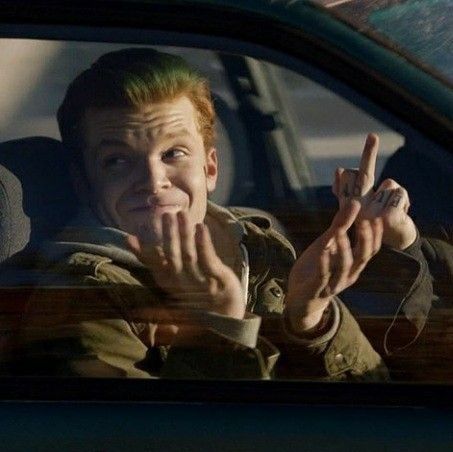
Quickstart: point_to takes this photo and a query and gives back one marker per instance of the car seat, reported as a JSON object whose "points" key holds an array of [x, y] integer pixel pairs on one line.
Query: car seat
{"points": [[36, 196]]}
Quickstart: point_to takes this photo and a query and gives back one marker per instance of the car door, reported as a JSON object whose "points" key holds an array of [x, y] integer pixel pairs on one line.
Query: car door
{"points": [[286, 64]]}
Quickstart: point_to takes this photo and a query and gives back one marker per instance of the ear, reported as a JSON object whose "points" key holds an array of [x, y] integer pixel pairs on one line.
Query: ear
{"points": [[211, 169]]}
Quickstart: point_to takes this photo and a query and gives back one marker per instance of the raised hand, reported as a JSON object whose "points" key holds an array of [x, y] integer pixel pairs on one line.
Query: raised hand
{"points": [[390, 201], [330, 265], [186, 266]]}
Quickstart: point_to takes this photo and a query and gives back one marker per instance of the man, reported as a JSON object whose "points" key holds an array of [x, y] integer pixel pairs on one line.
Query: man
{"points": [[177, 281]]}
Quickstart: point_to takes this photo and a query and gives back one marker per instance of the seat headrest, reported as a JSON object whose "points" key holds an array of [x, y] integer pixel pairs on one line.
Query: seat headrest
{"points": [[36, 195]]}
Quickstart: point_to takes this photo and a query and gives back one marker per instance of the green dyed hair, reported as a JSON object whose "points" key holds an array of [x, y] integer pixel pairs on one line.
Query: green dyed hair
{"points": [[133, 78]]}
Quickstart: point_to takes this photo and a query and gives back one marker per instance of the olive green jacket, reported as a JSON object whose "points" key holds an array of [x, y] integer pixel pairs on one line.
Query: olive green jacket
{"points": [[87, 317]]}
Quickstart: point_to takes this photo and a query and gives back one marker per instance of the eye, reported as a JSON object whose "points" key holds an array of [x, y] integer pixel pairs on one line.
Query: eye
{"points": [[174, 154], [115, 161]]}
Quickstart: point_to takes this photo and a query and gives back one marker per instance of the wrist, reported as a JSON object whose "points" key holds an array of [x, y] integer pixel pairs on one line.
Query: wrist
{"points": [[401, 240], [231, 306], [303, 323]]}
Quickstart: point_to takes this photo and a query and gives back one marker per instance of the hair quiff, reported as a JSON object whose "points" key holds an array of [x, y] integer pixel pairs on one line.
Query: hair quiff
{"points": [[132, 78]]}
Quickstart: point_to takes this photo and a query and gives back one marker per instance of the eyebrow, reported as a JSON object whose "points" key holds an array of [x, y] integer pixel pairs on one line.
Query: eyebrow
{"points": [[113, 142], [183, 133], [117, 142]]}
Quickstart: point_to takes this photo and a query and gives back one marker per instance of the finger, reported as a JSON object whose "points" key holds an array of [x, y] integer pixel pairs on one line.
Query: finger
{"points": [[398, 199], [367, 168], [379, 199], [377, 225], [347, 182], [208, 260], [407, 205], [363, 248], [134, 244], [325, 270], [342, 264], [150, 232], [150, 255], [171, 242], [188, 249], [388, 184], [378, 203], [344, 219], [336, 182]]}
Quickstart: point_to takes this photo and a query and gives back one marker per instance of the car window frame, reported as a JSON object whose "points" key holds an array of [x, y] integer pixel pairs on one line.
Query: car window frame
{"points": [[281, 392]]}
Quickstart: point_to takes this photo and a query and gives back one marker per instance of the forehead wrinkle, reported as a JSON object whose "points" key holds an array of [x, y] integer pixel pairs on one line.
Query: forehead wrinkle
{"points": [[178, 126], [157, 122], [161, 124], [173, 120], [163, 136]]}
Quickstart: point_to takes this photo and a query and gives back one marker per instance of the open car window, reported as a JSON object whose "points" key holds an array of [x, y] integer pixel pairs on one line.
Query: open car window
{"points": [[78, 299]]}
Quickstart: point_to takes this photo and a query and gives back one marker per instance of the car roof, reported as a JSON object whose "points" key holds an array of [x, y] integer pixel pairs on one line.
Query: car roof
{"points": [[287, 23]]}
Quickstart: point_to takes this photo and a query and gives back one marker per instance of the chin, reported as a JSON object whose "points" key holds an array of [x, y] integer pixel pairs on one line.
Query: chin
{"points": [[147, 232]]}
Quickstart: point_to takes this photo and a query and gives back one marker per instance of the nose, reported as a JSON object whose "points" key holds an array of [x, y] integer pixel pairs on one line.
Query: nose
{"points": [[157, 175], [154, 177]]}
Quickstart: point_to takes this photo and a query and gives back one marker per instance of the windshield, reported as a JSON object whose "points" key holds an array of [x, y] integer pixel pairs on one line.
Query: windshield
{"points": [[422, 29]]}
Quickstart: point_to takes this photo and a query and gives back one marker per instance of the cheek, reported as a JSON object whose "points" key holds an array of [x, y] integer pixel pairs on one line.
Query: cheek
{"points": [[197, 192], [192, 181], [109, 194]]}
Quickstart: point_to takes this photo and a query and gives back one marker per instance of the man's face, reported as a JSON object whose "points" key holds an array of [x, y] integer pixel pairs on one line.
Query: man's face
{"points": [[144, 162]]}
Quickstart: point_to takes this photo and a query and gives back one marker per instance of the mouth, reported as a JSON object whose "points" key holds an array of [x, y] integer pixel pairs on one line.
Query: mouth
{"points": [[156, 209]]}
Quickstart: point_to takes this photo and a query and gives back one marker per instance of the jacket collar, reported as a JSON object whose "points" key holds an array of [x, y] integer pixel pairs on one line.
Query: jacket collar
{"points": [[85, 233]]}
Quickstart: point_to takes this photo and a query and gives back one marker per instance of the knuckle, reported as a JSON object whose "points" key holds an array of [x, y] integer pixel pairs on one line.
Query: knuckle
{"points": [[348, 174], [348, 263], [174, 267], [342, 238], [376, 221], [404, 193], [366, 178], [362, 260], [188, 257], [387, 220], [375, 250], [390, 183]]}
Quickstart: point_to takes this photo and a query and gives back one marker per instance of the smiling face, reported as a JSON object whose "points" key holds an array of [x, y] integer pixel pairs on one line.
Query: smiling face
{"points": [[143, 162]]}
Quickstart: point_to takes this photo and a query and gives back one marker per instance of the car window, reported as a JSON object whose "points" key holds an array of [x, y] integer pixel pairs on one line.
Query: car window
{"points": [[331, 129], [33, 97], [333, 293]]}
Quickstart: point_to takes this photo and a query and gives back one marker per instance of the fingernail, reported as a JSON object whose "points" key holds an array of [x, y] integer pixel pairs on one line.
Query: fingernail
{"points": [[370, 139]]}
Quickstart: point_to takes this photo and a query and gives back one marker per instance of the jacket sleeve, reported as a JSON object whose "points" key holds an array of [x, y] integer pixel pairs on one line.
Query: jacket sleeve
{"points": [[438, 252], [340, 352], [210, 355], [416, 299], [399, 288], [86, 328]]}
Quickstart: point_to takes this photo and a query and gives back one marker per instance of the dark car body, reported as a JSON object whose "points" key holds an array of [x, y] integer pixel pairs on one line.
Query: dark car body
{"points": [[352, 58]]}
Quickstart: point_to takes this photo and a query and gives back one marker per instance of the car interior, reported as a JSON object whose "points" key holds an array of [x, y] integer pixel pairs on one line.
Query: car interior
{"points": [[267, 171]]}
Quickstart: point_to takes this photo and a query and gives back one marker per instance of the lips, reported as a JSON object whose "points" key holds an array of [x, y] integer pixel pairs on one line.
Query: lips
{"points": [[156, 208]]}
